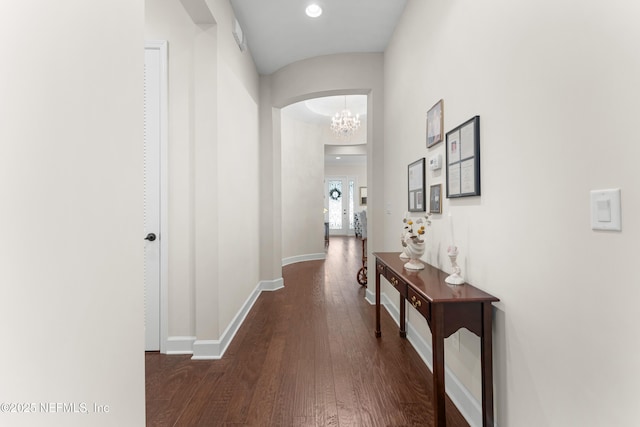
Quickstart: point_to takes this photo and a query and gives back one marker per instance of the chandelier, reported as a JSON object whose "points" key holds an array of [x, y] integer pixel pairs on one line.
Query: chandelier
{"points": [[344, 124]]}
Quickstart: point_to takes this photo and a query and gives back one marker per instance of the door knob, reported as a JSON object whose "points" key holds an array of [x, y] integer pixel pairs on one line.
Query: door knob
{"points": [[150, 237]]}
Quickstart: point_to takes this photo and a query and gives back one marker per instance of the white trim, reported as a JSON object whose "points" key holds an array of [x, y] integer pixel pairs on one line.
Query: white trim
{"points": [[179, 345], [271, 285], [162, 46], [302, 258], [214, 349], [206, 350], [370, 296], [466, 403]]}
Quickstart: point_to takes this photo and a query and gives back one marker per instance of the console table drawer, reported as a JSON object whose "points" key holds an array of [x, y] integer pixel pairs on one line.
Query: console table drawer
{"points": [[419, 303], [397, 283]]}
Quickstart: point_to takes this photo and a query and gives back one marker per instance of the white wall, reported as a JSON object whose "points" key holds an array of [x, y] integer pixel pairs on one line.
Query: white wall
{"points": [[239, 196], [213, 170], [71, 211], [302, 189], [555, 85]]}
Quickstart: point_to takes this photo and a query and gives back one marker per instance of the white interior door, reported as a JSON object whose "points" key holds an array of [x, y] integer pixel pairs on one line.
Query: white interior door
{"points": [[153, 133], [339, 196]]}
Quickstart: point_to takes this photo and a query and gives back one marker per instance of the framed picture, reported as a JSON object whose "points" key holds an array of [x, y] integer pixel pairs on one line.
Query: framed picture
{"points": [[463, 159], [363, 196], [435, 124], [416, 186], [435, 198]]}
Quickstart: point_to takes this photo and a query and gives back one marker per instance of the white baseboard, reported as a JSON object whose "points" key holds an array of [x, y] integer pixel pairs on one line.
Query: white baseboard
{"points": [[206, 350], [466, 403], [302, 258], [370, 296], [271, 285], [214, 349], [180, 345]]}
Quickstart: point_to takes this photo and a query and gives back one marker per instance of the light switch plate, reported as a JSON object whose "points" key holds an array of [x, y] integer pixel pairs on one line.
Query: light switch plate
{"points": [[605, 210]]}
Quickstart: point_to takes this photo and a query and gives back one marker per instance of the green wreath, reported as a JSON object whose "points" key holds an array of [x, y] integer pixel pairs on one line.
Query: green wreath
{"points": [[335, 194]]}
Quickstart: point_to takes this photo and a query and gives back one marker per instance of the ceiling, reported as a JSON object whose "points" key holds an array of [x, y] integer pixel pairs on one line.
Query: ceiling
{"points": [[278, 32], [320, 110]]}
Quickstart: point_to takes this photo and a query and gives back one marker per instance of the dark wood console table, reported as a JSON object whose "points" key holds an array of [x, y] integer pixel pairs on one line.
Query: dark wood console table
{"points": [[447, 308]]}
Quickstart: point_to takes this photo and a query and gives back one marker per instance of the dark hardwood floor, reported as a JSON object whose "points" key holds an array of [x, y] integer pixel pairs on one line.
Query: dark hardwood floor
{"points": [[306, 355]]}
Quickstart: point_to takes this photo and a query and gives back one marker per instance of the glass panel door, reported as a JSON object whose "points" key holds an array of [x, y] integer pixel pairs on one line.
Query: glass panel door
{"points": [[335, 204], [339, 198]]}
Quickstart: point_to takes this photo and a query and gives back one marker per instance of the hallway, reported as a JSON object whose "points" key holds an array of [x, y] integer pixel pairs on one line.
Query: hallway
{"points": [[306, 355]]}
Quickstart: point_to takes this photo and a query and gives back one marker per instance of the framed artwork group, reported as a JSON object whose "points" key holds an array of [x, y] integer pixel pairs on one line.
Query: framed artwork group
{"points": [[462, 165]]}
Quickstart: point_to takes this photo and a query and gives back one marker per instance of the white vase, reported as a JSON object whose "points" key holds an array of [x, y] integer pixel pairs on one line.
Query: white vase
{"points": [[414, 249], [403, 254]]}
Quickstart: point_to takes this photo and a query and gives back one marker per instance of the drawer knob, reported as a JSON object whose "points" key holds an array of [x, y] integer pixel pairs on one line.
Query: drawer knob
{"points": [[415, 302], [394, 281]]}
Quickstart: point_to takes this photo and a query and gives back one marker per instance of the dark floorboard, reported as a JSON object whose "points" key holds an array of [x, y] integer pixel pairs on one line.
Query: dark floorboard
{"points": [[306, 355]]}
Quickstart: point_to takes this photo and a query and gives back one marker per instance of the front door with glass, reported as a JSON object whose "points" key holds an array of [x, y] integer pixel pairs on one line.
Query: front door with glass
{"points": [[339, 202]]}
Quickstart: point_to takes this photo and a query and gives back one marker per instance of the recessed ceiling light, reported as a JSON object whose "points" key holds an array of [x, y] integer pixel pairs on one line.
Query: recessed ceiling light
{"points": [[337, 158], [313, 11]]}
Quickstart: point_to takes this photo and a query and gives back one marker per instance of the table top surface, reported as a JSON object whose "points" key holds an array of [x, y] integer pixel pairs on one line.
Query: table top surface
{"points": [[430, 282]]}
